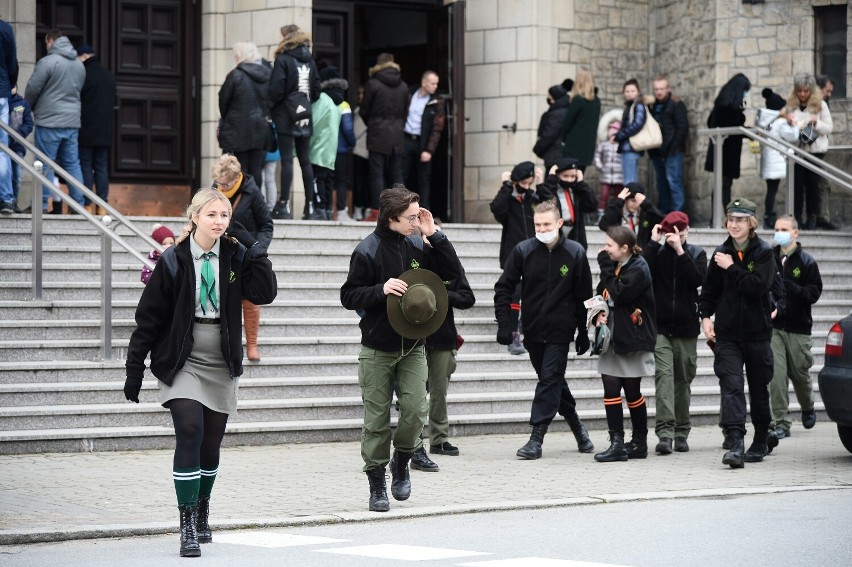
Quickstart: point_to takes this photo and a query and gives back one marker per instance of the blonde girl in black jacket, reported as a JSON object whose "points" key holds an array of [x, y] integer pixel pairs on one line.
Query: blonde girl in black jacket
{"points": [[626, 285], [188, 319]]}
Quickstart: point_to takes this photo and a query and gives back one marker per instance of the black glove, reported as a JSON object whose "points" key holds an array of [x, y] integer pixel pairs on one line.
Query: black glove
{"points": [[581, 343], [239, 232], [132, 386], [504, 333]]}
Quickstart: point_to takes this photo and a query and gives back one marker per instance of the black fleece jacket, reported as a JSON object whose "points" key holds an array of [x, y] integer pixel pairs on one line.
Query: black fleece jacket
{"points": [[646, 218], [515, 215], [629, 290], [802, 287], [676, 281], [460, 296], [386, 254], [554, 284], [739, 296], [164, 316]]}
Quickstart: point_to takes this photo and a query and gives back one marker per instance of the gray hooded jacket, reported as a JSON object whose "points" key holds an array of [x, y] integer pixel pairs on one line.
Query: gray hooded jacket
{"points": [[53, 91]]}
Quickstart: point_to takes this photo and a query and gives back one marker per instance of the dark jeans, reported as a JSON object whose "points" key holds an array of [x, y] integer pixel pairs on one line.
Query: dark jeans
{"points": [[94, 161], [417, 174], [551, 393], [303, 153], [806, 191], [759, 367], [251, 162], [341, 179], [385, 170], [769, 202]]}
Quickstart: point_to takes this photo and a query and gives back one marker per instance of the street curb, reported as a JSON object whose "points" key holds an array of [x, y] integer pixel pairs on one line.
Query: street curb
{"points": [[29, 536]]}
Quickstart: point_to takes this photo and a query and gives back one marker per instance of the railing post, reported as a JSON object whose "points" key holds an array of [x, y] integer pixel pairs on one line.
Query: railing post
{"points": [[791, 184], [718, 205], [106, 293], [37, 257]]}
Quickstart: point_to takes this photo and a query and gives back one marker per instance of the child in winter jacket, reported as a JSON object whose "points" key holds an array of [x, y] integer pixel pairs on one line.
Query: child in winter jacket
{"points": [[773, 166], [165, 237], [607, 161], [21, 119]]}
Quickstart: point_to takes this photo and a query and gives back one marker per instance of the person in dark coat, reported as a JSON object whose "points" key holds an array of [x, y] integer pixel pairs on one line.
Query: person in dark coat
{"points": [[384, 110], [548, 146], [251, 211], [243, 104], [513, 208], [635, 211], [677, 271], [579, 129], [728, 112], [294, 85], [670, 113], [573, 197], [97, 116], [8, 78], [632, 121], [736, 291], [424, 125]]}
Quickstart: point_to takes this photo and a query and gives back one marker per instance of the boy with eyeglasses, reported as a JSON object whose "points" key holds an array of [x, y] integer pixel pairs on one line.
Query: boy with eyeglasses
{"points": [[736, 291]]}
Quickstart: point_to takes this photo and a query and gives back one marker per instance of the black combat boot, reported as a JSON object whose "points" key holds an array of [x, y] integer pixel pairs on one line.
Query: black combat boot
{"points": [[188, 536], [202, 527], [638, 446], [734, 457], [616, 451], [584, 444], [400, 477], [532, 450], [758, 448], [420, 461], [378, 490]]}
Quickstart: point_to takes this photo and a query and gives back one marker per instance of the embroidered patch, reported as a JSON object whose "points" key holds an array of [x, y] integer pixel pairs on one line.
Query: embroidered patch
{"points": [[750, 266], [563, 270], [797, 272], [415, 264], [232, 277]]}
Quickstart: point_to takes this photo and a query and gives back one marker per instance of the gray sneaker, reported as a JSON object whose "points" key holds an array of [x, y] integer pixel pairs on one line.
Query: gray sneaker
{"points": [[516, 347], [6, 208]]}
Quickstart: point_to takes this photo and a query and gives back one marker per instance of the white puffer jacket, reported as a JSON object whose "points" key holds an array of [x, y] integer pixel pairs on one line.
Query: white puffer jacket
{"points": [[823, 127], [772, 163]]}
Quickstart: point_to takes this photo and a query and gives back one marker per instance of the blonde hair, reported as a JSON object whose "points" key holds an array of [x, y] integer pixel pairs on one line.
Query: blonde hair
{"points": [[246, 52], [227, 165], [201, 199], [800, 81], [546, 207], [584, 85]]}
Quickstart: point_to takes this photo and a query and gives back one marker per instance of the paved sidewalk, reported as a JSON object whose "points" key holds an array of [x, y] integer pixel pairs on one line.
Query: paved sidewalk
{"points": [[54, 497]]}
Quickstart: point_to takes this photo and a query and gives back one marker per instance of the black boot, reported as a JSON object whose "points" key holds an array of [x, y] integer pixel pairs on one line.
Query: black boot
{"points": [[758, 448], [420, 461], [811, 224], [616, 451], [400, 478], [638, 446], [378, 490], [188, 536], [584, 444], [734, 457], [532, 450], [202, 527], [282, 211]]}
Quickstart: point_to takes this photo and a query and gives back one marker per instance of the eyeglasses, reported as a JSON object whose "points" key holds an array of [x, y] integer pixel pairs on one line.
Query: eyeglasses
{"points": [[412, 218], [737, 220], [223, 185]]}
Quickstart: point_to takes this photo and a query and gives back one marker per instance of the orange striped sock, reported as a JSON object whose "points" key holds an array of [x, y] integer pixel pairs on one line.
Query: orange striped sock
{"points": [[637, 403]]}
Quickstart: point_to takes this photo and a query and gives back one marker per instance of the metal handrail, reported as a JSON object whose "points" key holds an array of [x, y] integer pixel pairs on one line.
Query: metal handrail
{"points": [[102, 224], [792, 154]]}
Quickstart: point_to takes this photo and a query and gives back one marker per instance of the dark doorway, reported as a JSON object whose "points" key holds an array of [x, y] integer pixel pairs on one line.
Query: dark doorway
{"points": [[153, 48], [350, 35]]}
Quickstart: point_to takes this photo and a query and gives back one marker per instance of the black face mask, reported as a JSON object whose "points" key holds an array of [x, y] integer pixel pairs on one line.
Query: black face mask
{"points": [[566, 184]]}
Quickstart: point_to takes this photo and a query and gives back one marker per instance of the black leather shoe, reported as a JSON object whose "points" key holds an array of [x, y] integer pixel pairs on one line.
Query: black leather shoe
{"points": [[420, 461], [444, 449], [680, 445], [771, 440], [782, 433], [809, 418], [826, 224], [664, 447]]}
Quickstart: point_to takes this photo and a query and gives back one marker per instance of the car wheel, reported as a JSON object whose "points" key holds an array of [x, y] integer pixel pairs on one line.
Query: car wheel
{"points": [[845, 433]]}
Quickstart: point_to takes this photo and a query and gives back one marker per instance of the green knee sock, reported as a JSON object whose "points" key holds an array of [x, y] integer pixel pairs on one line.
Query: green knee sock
{"points": [[208, 477], [187, 483]]}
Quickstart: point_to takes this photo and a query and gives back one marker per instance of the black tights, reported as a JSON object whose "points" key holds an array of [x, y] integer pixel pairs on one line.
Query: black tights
{"points": [[635, 402], [198, 434]]}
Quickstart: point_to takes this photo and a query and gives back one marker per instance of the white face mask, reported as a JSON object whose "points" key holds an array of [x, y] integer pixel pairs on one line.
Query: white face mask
{"points": [[547, 237]]}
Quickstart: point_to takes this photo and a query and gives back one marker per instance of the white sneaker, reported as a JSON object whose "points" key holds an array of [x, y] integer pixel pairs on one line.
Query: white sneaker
{"points": [[343, 216], [357, 213]]}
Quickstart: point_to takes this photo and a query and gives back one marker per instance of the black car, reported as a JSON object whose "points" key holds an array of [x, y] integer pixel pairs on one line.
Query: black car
{"points": [[835, 379]]}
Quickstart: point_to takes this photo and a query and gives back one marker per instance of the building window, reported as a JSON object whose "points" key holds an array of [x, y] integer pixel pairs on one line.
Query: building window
{"points": [[830, 49]]}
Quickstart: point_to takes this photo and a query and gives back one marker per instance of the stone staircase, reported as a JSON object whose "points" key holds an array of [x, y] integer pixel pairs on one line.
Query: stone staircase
{"points": [[57, 395]]}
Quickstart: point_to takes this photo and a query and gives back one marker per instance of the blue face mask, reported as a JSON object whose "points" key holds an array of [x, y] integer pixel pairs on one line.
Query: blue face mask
{"points": [[783, 238]]}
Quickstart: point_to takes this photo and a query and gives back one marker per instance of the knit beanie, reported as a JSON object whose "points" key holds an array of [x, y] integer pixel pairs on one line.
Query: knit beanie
{"points": [[774, 101], [161, 233]]}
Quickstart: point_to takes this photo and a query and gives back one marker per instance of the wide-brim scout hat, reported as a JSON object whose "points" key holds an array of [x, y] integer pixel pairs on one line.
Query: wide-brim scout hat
{"points": [[423, 306]]}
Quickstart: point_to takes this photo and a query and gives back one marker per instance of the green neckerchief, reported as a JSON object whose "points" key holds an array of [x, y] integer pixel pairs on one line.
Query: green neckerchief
{"points": [[208, 283]]}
